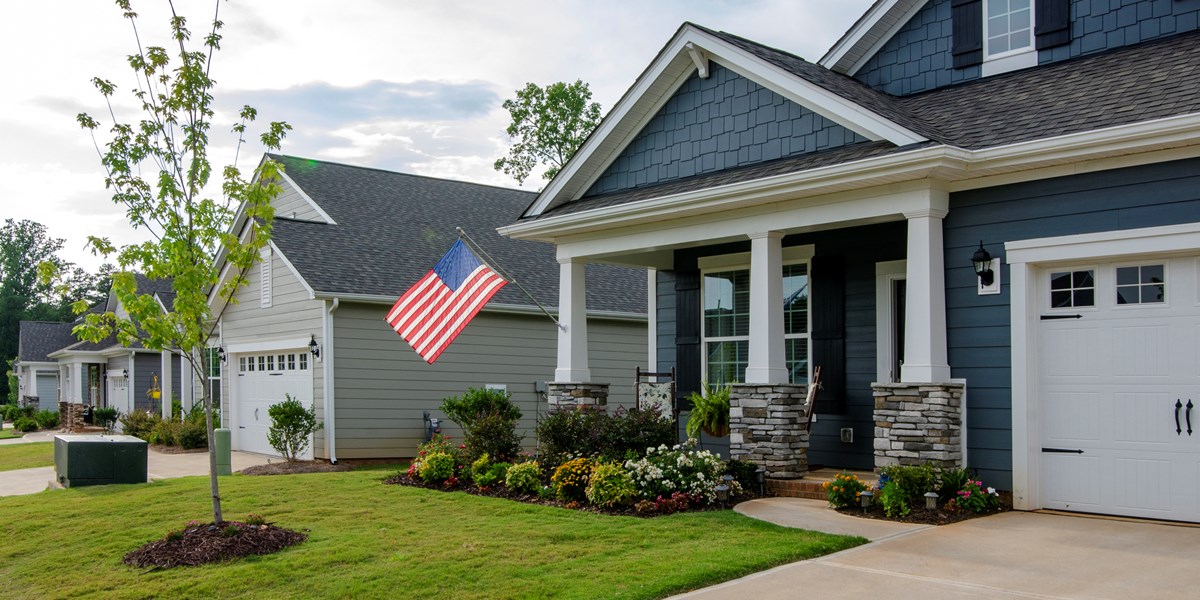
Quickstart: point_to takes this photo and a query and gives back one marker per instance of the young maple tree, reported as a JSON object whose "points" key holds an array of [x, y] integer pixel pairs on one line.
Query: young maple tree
{"points": [[158, 170], [548, 126]]}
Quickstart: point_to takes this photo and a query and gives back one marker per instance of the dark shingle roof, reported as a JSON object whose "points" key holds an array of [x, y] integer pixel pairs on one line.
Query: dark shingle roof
{"points": [[39, 338], [1144, 82], [392, 228]]}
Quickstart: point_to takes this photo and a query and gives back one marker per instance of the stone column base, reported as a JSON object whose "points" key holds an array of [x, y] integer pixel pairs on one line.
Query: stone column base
{"points": [[918, 423], [768, 426], [70, 416], [566, 395]]}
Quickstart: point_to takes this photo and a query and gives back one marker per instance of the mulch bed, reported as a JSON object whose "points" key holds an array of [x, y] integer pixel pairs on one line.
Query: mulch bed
{"points": [[209, 543], [295, 467], [500, 491], [919, 515]]}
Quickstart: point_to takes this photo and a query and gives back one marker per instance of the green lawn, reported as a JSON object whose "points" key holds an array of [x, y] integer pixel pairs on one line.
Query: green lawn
{"points": [[26, 456], [8, 433], [369, 540]]}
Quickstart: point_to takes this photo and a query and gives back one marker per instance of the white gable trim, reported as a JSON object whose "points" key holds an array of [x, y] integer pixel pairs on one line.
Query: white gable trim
{"points": [[669, 70], [882, 21], [299, 190], [287, 263]]}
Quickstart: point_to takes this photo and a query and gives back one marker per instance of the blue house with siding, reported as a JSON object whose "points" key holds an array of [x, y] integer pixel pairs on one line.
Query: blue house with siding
{"points": [[979, 218]]}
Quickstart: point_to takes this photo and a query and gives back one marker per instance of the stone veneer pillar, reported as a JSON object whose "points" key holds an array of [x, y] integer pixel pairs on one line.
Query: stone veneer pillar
{"points": [[566, 395], [768, 426], [918, 423], [70, 416]]}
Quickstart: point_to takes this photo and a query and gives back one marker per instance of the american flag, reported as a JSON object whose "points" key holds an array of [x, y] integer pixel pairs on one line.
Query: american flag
{"points": [[434, 310]]}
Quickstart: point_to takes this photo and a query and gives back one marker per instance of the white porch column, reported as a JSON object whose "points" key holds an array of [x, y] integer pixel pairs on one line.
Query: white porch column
{"points": [[572, 318], [187, 383], [925, 306], [766, 362], [164, 384]]}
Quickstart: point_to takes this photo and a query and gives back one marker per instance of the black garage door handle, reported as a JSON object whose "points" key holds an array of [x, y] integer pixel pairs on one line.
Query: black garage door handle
{"points": [[1188, 416], [1063, 450], [1178, 405]]}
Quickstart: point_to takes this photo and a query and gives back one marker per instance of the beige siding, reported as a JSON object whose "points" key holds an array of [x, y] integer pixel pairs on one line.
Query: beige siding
{"points": [[292, 315], [291, 204], [381, 387]]}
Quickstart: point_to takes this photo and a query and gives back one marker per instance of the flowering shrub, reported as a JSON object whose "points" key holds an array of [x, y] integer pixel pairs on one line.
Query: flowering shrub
{"points": [[975, 498], [681, 468], [665, 505], [524, 477], [570, 480], [610, 485], [440, 444], [436, 467], [845, 490]]}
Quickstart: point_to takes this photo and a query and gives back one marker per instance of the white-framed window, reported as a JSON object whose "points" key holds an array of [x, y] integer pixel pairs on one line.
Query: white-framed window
{"points": [[1072, 288], [725, 318], [1142, 284], [1008, 36], [303, 361], [891, 293]]}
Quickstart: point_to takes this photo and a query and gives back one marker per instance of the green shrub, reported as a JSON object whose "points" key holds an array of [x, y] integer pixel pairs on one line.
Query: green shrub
{"points": [[625, 434], [46, 419], [488, 419], [610, 485], [950, 481], [105, 417], [191, 435], [440, 444], [495, 473], [25, 424], [437, 467], [683, 469], [570, 479], [744, 472], [894, 500], [844, 491], [139, 423], [480, 466], [292, 426], [914, 481], [524, 478], [163, 433]]}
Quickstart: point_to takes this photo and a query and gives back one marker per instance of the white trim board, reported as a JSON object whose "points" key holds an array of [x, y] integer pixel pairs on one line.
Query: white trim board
{"points": [[235, 347], [1025, 257]]}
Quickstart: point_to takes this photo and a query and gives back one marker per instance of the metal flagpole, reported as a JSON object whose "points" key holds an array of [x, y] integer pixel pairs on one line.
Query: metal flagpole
{"points": [[463, 235]]}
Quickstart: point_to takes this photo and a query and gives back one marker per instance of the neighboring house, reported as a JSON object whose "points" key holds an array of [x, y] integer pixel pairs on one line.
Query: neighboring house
{"points": [[1064, 135], [346, 243], [61, 368], [37, 373]]}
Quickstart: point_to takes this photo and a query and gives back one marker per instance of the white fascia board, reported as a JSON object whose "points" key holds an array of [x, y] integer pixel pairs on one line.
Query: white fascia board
{"points": [[256, 345], [885, 35], [299, 190], [1183, 238], [870, 23], [295, 273], [490, 308], [671, 68]]}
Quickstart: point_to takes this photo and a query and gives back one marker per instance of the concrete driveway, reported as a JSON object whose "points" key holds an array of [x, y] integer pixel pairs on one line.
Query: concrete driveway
{"points": [[159, 466], [1011, 555]]}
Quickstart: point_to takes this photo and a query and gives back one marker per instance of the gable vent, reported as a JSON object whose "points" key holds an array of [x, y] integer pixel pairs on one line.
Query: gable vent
{"points": [[264, 277]]}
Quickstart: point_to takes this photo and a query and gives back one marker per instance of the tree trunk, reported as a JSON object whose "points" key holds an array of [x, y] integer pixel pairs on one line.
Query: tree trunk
{"points": [[212, 452]]}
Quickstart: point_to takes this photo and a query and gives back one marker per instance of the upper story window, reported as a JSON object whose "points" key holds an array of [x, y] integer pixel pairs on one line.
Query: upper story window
{"points": [[1008, 27]]}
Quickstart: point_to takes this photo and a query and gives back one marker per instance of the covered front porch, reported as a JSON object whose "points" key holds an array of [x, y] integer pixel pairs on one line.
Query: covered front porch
{"points": [[756, 291]]}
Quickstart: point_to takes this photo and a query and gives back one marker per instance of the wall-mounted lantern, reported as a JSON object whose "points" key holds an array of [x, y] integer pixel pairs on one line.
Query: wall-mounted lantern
{"points": [[987, 270]]}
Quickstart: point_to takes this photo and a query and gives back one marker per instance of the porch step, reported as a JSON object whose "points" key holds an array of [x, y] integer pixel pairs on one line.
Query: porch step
{"points": [[809, 486]]}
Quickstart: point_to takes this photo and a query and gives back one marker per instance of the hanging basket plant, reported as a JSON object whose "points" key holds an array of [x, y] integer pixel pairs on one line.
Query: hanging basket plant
{"points": [[710, 411]]}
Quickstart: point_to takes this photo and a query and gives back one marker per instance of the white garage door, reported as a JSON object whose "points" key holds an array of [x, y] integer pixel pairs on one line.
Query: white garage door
{"points": [[1119, 379], [47, 391], [264, 379]]}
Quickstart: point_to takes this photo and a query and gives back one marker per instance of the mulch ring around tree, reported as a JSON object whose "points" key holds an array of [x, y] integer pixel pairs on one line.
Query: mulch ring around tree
{"points": [[295, 467], [500, 491], [209, 543]]}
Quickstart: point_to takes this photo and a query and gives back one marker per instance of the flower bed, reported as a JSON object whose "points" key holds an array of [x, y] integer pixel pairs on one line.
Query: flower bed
{"points": [[903, 496]]}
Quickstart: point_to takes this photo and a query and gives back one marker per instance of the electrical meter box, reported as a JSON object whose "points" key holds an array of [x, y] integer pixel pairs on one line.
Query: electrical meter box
{"points": [[81, 460]]}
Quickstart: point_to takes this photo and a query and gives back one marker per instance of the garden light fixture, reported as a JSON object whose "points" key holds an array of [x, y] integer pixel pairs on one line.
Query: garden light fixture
{"points": [[866, 497], [313, 348], [722, 494], [931, 499], [760, 477]]}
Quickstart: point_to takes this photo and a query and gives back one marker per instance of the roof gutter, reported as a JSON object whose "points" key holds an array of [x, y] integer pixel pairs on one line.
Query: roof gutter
{"points": [[327, 365], [490, 308]]}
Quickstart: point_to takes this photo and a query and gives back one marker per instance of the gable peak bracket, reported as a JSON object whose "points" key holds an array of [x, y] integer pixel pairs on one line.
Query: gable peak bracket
{"points": [[700, 58]]}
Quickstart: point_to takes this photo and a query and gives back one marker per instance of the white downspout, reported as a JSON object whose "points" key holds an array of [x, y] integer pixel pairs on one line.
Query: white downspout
{"points": [[327, 364]]}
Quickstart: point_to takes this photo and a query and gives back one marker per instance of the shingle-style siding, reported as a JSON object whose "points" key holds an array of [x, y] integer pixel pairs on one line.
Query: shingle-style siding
{"points": [[382, 387], [718, 123], [918, 57], [1098, 25], [978, 328], [292, 315]]}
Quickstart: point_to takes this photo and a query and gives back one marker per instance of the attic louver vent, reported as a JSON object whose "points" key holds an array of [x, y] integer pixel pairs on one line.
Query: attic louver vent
{"points": [[264, 278]]}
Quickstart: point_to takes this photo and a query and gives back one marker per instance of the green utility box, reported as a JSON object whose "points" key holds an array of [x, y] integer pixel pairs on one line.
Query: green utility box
{"points": [[81, 460]]}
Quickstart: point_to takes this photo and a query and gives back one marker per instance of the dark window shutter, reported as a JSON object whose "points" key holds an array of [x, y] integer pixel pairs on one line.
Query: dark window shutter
{"points": [[828, 335], [687, 335], [1052, 22], [966, 46]]}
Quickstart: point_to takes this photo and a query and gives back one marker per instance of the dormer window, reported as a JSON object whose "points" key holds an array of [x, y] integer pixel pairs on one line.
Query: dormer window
{"points": [[1009, 27], [1005, 35]]}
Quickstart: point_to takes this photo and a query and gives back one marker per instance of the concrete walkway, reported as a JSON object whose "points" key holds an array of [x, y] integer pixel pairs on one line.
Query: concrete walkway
{"points": [[1011, 555], [159, 466], [29, 438]]}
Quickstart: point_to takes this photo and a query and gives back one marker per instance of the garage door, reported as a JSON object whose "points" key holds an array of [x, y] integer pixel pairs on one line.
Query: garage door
{"points": [[47, 391], [1119, 383], [264, 379]]}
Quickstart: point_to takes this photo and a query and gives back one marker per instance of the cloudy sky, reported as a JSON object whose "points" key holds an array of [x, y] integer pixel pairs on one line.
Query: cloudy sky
{"points": [[399, 85]]}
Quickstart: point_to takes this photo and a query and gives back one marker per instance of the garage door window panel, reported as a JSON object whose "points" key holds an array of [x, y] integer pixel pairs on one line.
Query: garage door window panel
{"points": [[1073, 288], [1142, 284]]}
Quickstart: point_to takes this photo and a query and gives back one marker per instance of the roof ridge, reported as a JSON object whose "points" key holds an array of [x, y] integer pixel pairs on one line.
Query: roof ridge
{"points": [[392, 172]]}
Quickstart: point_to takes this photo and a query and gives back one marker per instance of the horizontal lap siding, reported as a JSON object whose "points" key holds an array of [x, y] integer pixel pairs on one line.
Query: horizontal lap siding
{"points": [[290, 204], [382, 387], [292, 315], [978, 331]]}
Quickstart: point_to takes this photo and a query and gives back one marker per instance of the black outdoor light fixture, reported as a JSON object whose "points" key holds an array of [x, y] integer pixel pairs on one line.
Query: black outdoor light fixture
{"points": [[313, 348], [220, 354], [982, 261]]}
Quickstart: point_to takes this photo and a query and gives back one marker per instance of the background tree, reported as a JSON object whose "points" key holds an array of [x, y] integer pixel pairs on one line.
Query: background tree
{"points": [[548, 126], [24, 245], [169, 144]]}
